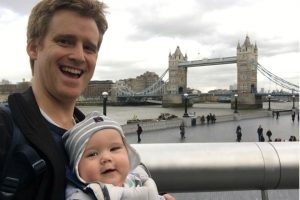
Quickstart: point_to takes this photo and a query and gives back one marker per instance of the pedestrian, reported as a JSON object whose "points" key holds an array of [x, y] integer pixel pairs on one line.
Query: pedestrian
{"points": [[238, 133], [213, 118], [208, 119], [277, 140], [63, 40], [292, 138], [293, 116], [139, 132], [182, 130], [262, 138], [269, 134], [202, 119], [260, 132], [98, 144], [277, 114]]}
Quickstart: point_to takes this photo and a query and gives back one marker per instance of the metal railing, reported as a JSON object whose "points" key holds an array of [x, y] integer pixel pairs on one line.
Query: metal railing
{"points": [[194, 167]]}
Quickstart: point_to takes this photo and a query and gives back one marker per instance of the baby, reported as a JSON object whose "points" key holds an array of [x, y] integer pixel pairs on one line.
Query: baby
{"points": [[104, 165]]}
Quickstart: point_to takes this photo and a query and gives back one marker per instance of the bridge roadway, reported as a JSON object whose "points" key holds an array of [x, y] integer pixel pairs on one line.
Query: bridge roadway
{"points": [[208, 62], [225, 132]]}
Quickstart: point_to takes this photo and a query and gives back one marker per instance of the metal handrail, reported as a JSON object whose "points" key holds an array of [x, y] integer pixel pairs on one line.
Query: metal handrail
{"points": [[194, 167]]}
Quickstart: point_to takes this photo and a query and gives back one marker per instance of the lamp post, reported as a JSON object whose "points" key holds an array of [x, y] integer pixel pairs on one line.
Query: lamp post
{"points": [[293, 101], [235, 100], [104, 95], [185, 105], [269, 99]]}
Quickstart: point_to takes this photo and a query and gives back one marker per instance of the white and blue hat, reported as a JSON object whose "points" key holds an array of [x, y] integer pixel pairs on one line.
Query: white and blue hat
{"points": [[76, 138]]}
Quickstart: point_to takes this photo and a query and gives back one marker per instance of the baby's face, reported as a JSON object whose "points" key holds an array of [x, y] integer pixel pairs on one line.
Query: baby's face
{"points": [[105, 158]]}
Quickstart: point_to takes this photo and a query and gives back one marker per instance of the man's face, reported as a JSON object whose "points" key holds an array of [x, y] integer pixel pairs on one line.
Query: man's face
{"points": [[105, 159], [65, 59]]}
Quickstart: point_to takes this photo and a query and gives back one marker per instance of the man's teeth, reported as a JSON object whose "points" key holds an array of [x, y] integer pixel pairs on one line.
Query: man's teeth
{"points": [[72, 70]]}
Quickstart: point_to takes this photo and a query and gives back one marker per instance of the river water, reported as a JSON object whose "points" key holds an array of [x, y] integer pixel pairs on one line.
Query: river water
{"points": [[123, 113]]}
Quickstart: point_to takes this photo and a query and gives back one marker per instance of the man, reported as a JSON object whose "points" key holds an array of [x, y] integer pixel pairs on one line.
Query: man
{"points": [[63, 40], [238, 133], [182, 130], [260, 133], [139, 132]]}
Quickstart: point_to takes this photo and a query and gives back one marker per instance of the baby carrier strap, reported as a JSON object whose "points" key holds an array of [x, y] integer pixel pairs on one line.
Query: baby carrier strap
{"points": [[22, 163], [78, 185]]}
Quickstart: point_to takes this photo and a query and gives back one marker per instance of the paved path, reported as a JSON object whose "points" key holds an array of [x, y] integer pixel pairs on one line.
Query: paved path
{"points": [[224, 131]]}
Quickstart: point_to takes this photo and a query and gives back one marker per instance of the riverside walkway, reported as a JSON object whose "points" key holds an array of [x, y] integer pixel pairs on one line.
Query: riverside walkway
{"points": [[225, 132]]}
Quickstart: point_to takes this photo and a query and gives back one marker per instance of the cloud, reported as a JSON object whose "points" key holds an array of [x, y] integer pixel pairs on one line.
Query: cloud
{"points": [[277, 47], [16, 6]]}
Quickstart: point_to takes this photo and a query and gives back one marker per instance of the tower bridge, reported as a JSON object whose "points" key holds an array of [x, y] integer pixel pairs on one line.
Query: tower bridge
{"points": [[207, 62], [171, 92]]}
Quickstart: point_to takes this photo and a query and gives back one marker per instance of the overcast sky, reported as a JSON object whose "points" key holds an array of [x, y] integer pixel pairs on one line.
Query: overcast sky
{"points": [[142, 33]]}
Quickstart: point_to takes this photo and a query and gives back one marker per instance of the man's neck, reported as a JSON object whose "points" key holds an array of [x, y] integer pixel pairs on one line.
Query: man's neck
{"points": [[60, 112]]}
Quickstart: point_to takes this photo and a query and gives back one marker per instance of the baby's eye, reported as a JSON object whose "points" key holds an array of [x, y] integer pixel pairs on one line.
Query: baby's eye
{"points": [[115, 148], [92, 154]]}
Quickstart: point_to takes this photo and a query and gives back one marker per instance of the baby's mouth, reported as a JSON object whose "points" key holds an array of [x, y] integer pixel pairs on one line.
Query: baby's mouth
{"points": [[107, 171]]}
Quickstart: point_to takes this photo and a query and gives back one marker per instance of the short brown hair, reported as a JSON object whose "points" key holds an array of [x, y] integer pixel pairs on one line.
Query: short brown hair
{"points": [[43, 12]]}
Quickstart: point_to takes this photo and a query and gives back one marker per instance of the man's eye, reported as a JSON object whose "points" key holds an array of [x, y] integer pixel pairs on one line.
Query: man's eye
{"points": [[90, 48], [64, 41]]}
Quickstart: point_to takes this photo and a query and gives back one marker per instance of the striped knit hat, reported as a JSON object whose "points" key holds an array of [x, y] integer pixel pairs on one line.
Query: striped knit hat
{"points": [[76, 138]]}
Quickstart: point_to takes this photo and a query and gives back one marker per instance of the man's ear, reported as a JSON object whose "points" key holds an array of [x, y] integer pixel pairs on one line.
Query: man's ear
{"points": [[32, 50]]}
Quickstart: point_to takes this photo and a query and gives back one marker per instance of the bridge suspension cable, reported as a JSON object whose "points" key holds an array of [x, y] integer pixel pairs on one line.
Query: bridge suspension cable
{"points": [[152, 89], [276, 79]]}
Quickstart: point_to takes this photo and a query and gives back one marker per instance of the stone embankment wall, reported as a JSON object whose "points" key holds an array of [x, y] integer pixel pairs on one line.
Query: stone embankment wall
{"points": [[152, 125], [173, 123]]}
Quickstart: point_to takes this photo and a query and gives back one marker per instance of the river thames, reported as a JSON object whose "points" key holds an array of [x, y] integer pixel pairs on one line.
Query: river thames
{"points": [[124, 113]]}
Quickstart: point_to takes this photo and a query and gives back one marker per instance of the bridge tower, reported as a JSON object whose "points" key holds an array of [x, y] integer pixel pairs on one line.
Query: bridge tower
{"points": [[177, 80], [247, 76]]}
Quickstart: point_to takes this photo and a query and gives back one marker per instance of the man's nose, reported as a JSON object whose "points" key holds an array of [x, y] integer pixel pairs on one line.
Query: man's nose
{"points": [[77, 54]]}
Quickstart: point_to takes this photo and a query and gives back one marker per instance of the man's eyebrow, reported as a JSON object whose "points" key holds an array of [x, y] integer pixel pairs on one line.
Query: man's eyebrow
{"points": [[64, 36]]}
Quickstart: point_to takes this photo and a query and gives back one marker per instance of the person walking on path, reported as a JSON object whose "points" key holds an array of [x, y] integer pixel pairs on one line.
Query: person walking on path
{"points": [[277, 114], [213, 118], [238, 133], [292, 138], [202, 119], [260, 132], [269, 134], [139, 132], [208, 119], [182, 130], [293, 116]]}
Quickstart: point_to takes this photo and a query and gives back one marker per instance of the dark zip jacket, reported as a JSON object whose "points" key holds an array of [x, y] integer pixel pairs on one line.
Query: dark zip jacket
{"points": [[44, 138]]}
